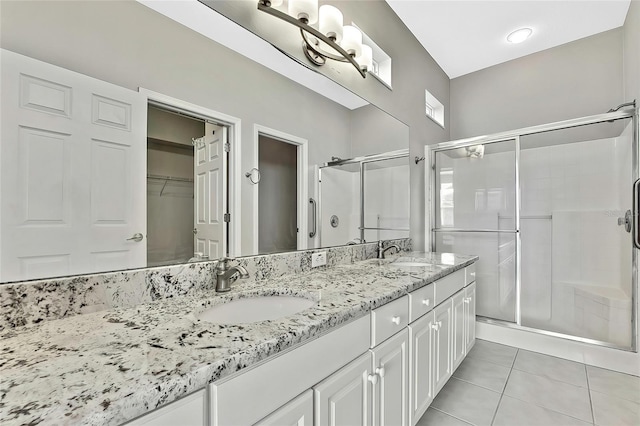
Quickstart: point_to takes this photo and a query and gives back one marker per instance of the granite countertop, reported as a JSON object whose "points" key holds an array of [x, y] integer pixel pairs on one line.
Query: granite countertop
{"points": [[112, 366]]}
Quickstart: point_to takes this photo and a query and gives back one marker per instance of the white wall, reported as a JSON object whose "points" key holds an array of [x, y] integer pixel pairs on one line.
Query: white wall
{"points": [[576, 79]]}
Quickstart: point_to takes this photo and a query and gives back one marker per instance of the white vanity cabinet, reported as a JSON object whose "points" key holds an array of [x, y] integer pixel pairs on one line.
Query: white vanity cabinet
{"points": [[421, 346], [344, 398], [382, 369], [188, 411], [470, 315], [372, 390], [440, 339], [298, 412], [442, 359], [459, 337], [391, 392]]}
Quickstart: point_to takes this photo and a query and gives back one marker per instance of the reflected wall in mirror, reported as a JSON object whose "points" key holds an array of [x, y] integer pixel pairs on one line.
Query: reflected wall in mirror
{"points": [[99, 177]]}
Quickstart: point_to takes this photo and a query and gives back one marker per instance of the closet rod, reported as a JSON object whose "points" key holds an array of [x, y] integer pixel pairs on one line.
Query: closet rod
{"points": [[176, 179]]}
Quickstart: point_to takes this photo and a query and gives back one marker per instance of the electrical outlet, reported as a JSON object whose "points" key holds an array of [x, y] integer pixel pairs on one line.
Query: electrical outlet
{"points": [[318, 259]]}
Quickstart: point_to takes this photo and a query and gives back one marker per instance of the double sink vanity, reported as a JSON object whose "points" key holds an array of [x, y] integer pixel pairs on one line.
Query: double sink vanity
{"points": [[368, 342]]}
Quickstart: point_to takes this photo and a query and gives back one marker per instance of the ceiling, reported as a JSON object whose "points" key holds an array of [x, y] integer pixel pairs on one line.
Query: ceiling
{"points": [[467, 36]]}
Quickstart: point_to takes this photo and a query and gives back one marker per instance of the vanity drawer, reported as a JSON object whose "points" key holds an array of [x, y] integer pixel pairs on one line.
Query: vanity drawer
{"points": [[470, 272], [421, 301], [389, 319], [449, 285]]}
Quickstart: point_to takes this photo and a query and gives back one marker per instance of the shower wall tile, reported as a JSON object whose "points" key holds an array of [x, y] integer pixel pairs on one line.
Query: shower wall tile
{"points": [[31, 302]]}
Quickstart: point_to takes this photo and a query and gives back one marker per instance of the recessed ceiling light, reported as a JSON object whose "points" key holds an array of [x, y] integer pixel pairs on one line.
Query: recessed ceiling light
{"points": [[518, 36]]}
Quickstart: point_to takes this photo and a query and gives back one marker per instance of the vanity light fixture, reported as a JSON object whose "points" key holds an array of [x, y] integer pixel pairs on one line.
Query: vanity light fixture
{"points": [[331, 40], [519, 35]]}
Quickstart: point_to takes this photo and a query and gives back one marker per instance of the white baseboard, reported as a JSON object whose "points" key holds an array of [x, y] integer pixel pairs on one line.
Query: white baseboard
{"points": [[598, 356]]}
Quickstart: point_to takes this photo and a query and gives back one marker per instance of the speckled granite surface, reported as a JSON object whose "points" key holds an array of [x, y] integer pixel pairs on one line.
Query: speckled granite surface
{"points": [[111, 366], [32, 302]]}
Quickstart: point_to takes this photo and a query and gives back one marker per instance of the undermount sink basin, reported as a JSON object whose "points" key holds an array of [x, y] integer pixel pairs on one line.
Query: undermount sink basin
{"points": [[254, 309]]}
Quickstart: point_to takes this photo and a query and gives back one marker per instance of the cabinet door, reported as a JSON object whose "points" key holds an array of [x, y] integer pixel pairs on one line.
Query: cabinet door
{"points": [[442, 361], [459, 325], [390, 364], [344, 398], [421, 348], [297, 412], [470, 315]]}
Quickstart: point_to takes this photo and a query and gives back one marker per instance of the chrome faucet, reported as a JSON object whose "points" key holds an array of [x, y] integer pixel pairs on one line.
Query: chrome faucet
{"points": [[225, 275], [382, 250]]}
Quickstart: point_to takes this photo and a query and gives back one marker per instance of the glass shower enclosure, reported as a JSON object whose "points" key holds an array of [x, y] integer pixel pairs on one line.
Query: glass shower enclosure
{"points": [[364, 199], [550, 212]]}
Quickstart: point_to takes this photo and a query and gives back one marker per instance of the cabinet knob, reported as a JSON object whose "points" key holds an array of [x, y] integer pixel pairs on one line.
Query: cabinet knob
{"points": [[434, 326], [380, 371], [426, 302], [439, 324], [373, 378], [396, 320]]}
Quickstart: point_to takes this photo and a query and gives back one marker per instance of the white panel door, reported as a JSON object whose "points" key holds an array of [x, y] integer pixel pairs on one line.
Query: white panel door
{"points": [[72, 172], [470, 316], [344, 398], [297, 412], [459, 323], [442, 361], [421, 345], [391, 395], [210, 177]]}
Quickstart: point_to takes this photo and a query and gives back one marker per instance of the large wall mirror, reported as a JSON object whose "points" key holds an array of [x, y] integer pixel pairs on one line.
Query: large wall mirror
{"points": [[273, 167]]}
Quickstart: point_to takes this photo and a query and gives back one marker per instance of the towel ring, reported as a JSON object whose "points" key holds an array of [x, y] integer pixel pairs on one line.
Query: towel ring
{"points": [[253, 175]]}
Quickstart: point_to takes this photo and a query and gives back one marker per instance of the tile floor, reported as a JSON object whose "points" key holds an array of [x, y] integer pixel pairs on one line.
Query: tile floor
{"points": [[505, 386]]}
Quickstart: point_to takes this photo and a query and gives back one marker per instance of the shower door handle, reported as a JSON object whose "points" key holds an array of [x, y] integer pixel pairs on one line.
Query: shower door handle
{"points": [[634, 215], [315, 218]]}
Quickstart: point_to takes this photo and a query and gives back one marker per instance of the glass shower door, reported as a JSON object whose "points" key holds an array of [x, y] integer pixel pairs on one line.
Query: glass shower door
{"points": [[576, 187], [475, 213], [386, 199]]}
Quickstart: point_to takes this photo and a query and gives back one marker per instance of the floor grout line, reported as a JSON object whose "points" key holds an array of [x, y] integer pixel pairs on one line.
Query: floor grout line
{"points": [[593, 416], [451, 415], [495, 413], [480, 386]]}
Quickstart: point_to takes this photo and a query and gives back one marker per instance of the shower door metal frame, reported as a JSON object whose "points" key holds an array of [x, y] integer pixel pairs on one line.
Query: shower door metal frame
{"points": [[361, 161], [515, 136]]}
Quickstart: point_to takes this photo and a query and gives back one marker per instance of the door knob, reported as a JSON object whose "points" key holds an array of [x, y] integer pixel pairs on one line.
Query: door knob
{"points": [[137, 237]]}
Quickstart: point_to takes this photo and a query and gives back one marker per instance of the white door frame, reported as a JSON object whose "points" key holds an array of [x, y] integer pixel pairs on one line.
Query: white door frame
{"points": [[235, 140], [303, 183]]}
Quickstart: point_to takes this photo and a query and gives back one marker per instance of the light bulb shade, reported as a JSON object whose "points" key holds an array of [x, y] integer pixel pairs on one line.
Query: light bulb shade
{"points": [[330, 22], [352, 40], [276, 3], [304, 9], [365, 60]]}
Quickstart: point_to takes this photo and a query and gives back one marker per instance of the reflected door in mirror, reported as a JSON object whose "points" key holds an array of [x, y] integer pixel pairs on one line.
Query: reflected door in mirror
{"points": [[72, 172]]}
